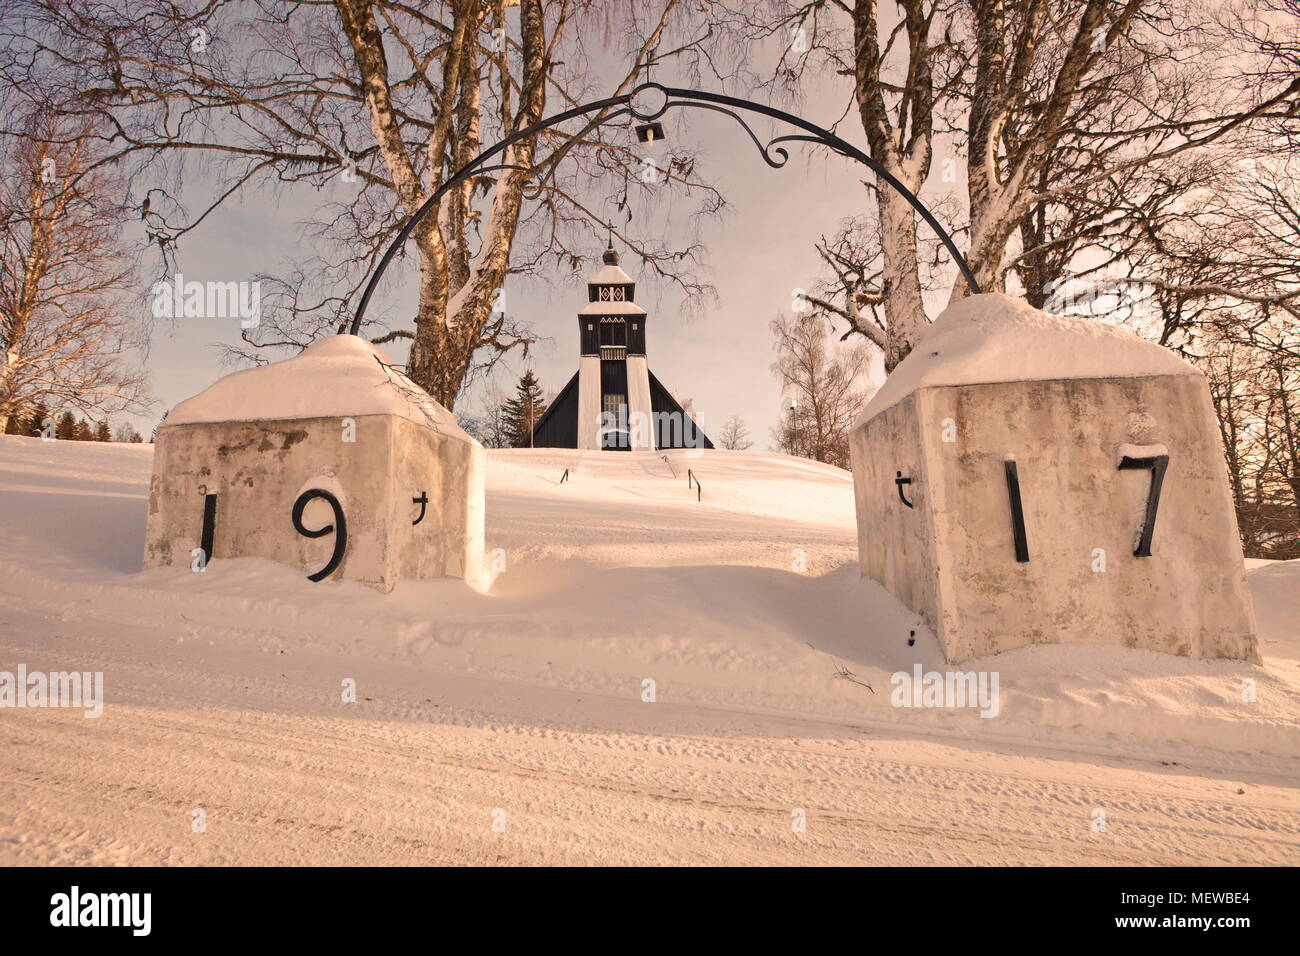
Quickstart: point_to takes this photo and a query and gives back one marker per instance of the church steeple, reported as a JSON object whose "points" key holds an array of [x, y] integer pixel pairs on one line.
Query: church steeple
{"points": [[611, 325], [614, 402], [610, 258]]}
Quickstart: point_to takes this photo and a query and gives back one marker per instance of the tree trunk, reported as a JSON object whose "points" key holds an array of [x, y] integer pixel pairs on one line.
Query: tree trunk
{"points": [[457, 292], [900, 280], [905, 153]]}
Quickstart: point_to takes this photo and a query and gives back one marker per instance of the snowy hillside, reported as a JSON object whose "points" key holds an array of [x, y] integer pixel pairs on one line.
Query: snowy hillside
{"points": [[745, 608]]}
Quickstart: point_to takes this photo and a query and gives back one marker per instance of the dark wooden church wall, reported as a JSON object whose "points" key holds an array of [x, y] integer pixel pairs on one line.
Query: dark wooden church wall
{"points": [[613, 378], [661, 402], [558, 426], [590, 332]]}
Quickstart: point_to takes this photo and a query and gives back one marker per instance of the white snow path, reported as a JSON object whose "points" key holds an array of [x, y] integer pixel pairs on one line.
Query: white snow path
{"points": [[223, 694]]}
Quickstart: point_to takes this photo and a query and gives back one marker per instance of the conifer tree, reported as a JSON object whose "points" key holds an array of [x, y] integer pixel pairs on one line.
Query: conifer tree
{"points": [[36, 422], [521, 413], [66, 430]]}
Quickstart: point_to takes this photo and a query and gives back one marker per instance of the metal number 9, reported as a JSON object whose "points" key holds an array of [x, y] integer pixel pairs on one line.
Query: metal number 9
{"points": [[339, 527]]}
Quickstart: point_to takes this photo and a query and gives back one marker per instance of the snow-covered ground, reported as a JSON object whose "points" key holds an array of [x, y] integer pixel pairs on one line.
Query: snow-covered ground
{"points": [[521, 703]]}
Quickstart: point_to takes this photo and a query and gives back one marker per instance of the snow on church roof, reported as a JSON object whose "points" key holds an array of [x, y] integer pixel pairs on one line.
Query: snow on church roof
{"points": [[611, 274], [998, 338], [612, 308], [337, 376]]}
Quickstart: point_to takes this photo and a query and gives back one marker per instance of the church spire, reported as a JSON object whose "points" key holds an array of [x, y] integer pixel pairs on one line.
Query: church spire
{"points": [[610, 258]]}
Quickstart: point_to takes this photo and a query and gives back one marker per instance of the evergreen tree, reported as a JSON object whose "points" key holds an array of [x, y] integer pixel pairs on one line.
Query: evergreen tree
{"points": [[66, 430], [102, 432], [36, 422], [153, 436], [521, 413], [83, 432]]}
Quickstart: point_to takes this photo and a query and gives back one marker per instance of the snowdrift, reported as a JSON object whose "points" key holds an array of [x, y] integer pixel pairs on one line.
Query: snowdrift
{"points": [[749, 599]]}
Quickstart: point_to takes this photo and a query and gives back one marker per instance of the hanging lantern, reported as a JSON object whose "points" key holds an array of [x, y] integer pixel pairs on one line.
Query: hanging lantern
{"points": [[650, 133]]}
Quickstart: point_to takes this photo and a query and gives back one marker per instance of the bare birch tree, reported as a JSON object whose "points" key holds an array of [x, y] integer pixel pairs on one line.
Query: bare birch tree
{"points": [[825, 383], [735, 436], [1256, 398], [66, 327], [384, 100], [1050, 104]]}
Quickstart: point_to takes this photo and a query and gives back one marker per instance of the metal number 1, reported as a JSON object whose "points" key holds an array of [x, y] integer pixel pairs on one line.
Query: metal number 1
{"points": [[1018, 536], [209, 527]]}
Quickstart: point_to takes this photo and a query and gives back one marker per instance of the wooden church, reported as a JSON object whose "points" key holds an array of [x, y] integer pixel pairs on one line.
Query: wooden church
{"points": [[614, 402]]}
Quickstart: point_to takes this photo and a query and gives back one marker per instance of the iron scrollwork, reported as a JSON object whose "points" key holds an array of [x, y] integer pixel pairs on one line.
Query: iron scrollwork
{"points": [[632, 103]]}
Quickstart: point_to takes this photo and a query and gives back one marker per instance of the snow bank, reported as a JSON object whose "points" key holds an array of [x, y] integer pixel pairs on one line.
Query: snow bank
{"points": [[998, 338], [747, 601], [341, 375]]}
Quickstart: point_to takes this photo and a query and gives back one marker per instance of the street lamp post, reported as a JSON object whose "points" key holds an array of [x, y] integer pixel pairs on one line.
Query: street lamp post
{"points": [[794, 423]]}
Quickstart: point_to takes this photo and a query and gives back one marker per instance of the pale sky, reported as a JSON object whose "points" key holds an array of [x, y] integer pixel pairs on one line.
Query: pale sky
{"points": [[758, 254]]}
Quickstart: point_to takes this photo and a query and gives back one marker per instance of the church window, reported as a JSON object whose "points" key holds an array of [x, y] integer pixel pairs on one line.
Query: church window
{"points": [[613, 332]]}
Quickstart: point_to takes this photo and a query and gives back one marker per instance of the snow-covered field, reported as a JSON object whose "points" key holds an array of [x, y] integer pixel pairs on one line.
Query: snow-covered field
{"points": [[521, 704]]}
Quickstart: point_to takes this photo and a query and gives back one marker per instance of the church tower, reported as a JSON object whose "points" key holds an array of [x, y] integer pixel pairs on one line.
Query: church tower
{"points": [[614, 402]]}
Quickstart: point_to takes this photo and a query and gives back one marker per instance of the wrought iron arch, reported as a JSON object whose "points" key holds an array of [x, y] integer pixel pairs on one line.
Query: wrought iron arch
{"points": [[625, 105]]}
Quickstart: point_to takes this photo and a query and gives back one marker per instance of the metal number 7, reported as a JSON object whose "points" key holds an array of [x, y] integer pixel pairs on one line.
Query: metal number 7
{"points": [[1158, 465]]}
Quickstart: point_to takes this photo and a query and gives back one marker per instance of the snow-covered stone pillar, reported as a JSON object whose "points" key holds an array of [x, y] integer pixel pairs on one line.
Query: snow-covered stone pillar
{"points": [[267, 459], [1024, 478]]}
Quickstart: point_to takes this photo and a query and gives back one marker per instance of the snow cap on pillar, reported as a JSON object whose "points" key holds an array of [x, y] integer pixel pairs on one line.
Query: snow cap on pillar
{"points": [[995, 337], [340, 375]]}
